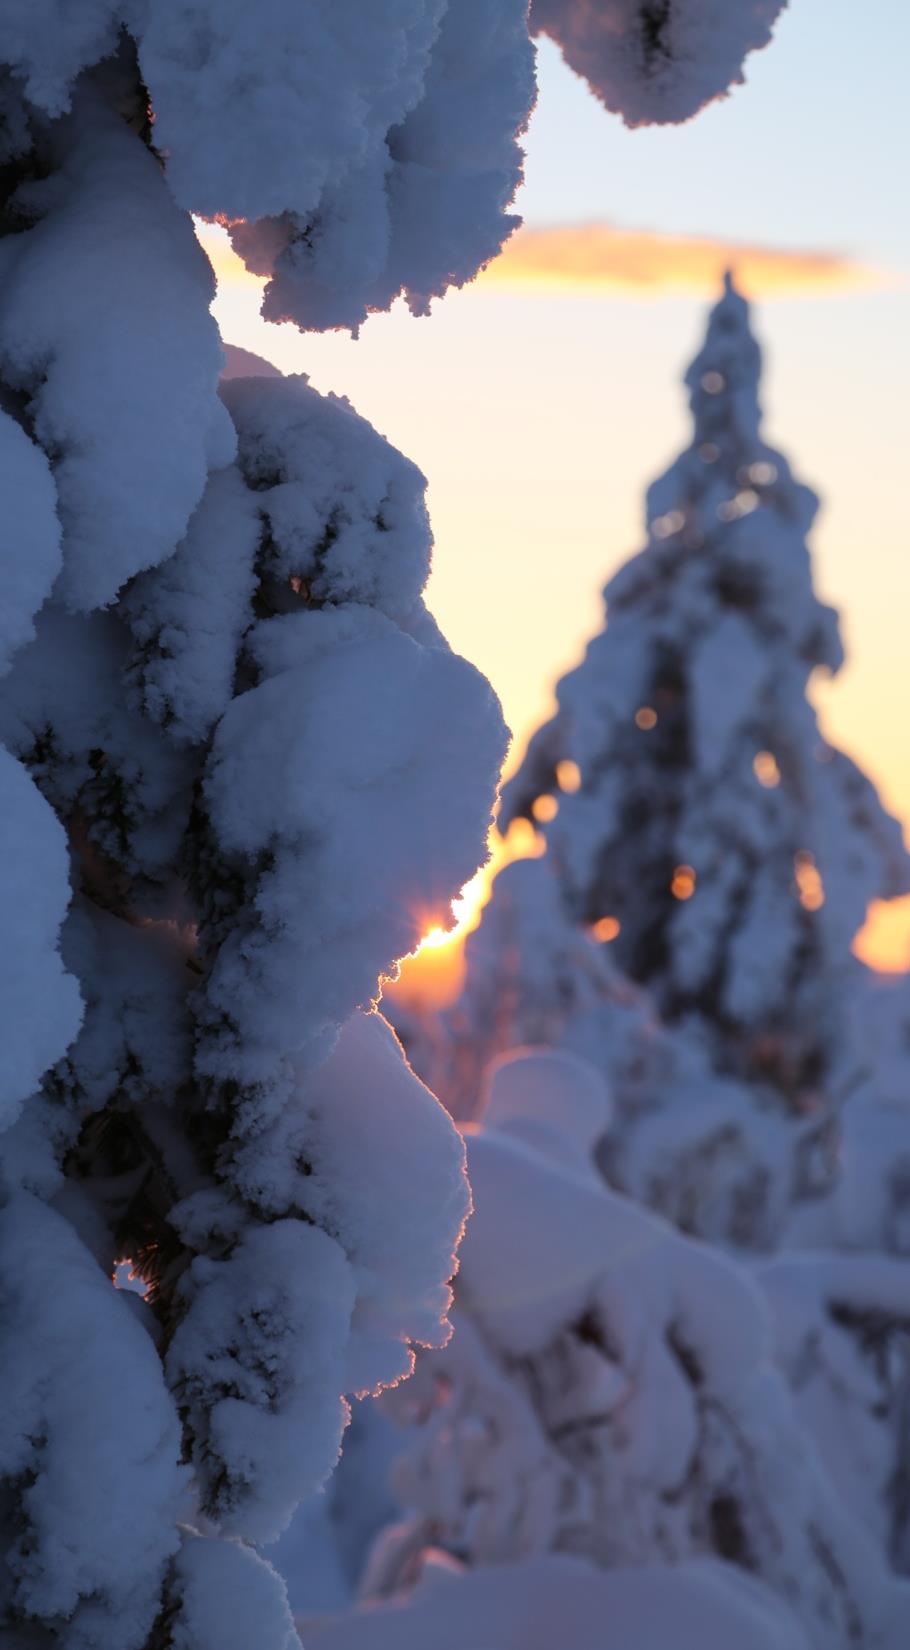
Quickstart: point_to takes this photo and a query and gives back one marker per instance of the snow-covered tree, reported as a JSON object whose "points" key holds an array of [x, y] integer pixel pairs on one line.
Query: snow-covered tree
{"points": [[708, 856], [224, 696], [611, 1393], [730, 849], [684, 1138], [840, 1297], [657, 60], [532, 976], [232, 738]]}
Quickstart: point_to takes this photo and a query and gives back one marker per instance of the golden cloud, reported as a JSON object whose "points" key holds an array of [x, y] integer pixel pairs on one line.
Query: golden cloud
{"points": [[593, 258], [599, 258]]}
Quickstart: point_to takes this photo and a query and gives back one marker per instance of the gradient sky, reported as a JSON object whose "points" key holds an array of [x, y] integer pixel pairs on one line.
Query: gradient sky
{"points": [[538, 415]]}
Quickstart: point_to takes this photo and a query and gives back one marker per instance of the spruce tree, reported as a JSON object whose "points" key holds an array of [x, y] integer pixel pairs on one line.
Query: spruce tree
{"points": [[729, 849], [229, 726], [228, 721]]}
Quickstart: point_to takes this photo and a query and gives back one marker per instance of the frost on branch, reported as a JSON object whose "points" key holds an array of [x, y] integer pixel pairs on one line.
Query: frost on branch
{"points": [[357, 789], [407, 1154], [99, 237], [345, 512], [256, 1368], [225, 1116], [415, 200], [229, 1599], [88, 1444], [657, 60], [249, 754]]}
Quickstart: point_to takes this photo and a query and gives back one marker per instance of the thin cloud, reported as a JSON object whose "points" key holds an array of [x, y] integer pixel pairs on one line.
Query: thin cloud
{"points": [[593, 258], [598, 257]]}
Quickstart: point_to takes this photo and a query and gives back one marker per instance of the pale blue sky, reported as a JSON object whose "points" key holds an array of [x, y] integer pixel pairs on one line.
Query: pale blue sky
{"points": [[811, 152]]}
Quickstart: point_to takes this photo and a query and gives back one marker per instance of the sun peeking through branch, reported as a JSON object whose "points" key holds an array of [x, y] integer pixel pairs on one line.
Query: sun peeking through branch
{"points": [[464, 908], [432, 974]]}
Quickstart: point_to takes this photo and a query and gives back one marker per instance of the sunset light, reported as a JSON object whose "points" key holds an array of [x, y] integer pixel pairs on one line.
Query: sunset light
{"points": [[683, 884], [433, 972], [766, 769], [568, 776], [809, 886], [453, 465], [465, 910], [605, 930], [544, 808], [602, 257]]}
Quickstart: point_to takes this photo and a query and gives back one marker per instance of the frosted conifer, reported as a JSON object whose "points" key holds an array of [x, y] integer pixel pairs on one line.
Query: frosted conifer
{"points": [[229, 727], [212, 621], [734, 849]]}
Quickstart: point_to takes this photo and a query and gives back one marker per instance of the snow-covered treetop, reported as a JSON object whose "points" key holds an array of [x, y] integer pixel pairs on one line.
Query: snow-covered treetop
{"points": [[733, 850], [657, 60]]}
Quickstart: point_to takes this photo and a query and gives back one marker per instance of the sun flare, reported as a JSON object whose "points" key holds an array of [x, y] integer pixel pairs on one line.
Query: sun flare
{"points": [[465, 909]]}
